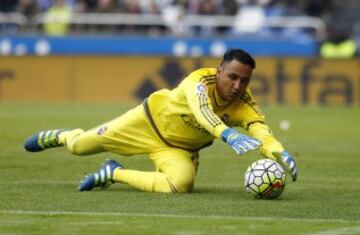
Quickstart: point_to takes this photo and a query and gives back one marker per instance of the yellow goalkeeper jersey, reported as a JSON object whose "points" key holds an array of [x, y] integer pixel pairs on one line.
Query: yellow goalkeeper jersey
{"points": [[192, 115]]}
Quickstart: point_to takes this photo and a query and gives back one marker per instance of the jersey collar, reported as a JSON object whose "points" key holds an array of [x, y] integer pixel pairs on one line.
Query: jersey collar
{"points": [[218, 100]]}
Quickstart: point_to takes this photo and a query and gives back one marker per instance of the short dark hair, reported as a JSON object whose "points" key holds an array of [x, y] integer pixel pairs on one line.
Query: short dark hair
{"points": [[240, 55]]}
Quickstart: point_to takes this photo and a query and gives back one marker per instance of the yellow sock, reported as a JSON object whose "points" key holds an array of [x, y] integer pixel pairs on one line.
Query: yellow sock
{"points": [[145, 181], [66, 136], [79, 142]]}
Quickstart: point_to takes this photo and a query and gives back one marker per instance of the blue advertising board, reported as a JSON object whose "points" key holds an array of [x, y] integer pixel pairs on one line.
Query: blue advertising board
{"points": [[163, 46]]}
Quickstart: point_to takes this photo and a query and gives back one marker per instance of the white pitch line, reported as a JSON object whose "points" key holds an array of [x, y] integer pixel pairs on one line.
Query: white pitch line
{"points": [[215, 217], [339, 231]]}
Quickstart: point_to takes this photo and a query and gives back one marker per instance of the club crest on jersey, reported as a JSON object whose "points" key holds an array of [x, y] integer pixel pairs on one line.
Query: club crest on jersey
{"points": [[201, 89]]}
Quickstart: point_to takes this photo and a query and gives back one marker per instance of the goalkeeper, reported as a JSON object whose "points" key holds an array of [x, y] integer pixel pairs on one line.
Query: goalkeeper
{"points": [[172, 126]]}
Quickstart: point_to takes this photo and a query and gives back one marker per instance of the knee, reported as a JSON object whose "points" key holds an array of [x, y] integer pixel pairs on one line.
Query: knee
{"points": [[182, 184]]}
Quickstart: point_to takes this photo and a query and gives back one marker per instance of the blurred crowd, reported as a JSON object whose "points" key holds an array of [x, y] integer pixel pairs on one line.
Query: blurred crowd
{"points": [[202, 7], [173, 10], [249, 15]]}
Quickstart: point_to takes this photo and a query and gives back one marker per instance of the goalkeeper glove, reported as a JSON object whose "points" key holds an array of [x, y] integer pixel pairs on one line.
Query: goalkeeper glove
{"points": [[288, 162], [239, 142]]}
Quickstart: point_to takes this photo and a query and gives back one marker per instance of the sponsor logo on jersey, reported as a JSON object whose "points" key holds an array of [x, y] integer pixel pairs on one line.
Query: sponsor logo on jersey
{"points": [[191, 122]]}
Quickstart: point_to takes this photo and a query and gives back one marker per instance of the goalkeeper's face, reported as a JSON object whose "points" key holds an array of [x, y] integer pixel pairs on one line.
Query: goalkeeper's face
{"points": [[232, 79]]}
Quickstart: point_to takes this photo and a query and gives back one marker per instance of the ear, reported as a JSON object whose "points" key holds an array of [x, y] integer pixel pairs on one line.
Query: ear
{"points": [[218, 70]]}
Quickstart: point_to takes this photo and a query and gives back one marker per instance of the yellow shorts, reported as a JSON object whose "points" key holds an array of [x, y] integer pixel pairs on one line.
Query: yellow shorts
{"points": [[129, 134]]}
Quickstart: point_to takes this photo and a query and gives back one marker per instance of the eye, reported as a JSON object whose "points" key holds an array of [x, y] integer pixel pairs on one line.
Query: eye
{"points": [[233, 77]]}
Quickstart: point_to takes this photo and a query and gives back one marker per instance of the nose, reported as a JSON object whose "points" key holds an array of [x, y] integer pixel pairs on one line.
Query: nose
{"points": [[237, 84]]}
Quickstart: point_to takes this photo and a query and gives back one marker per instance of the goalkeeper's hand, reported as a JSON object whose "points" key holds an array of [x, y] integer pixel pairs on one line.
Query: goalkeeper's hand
{"points": [[239, 142], [288, 162]]}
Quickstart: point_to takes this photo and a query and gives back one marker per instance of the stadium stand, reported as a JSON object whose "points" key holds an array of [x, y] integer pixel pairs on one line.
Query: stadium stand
{"points": [[295, 21], [180, 18]]}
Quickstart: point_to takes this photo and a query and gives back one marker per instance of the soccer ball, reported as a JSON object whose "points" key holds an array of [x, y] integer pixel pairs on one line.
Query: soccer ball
{"points": [[265, 179]]}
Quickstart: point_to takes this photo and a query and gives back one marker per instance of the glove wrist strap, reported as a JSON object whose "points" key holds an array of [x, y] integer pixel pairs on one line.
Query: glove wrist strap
{"points": [[226, 133]]}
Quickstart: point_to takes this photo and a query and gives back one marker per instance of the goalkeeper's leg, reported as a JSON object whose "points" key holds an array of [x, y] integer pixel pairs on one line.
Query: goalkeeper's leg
{"points": [[176, 171], [80, 142], [77, 141]]}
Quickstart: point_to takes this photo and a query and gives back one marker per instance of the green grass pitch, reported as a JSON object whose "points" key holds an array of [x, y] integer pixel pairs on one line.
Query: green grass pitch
{"points": [[38, 192]]}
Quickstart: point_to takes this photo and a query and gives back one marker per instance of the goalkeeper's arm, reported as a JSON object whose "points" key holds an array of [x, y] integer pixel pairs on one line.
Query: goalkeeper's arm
{"points": [[271, 148], [200, 104]]}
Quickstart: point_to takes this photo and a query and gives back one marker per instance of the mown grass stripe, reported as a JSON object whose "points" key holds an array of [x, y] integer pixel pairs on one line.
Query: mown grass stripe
{"points": [[215, 217]]}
